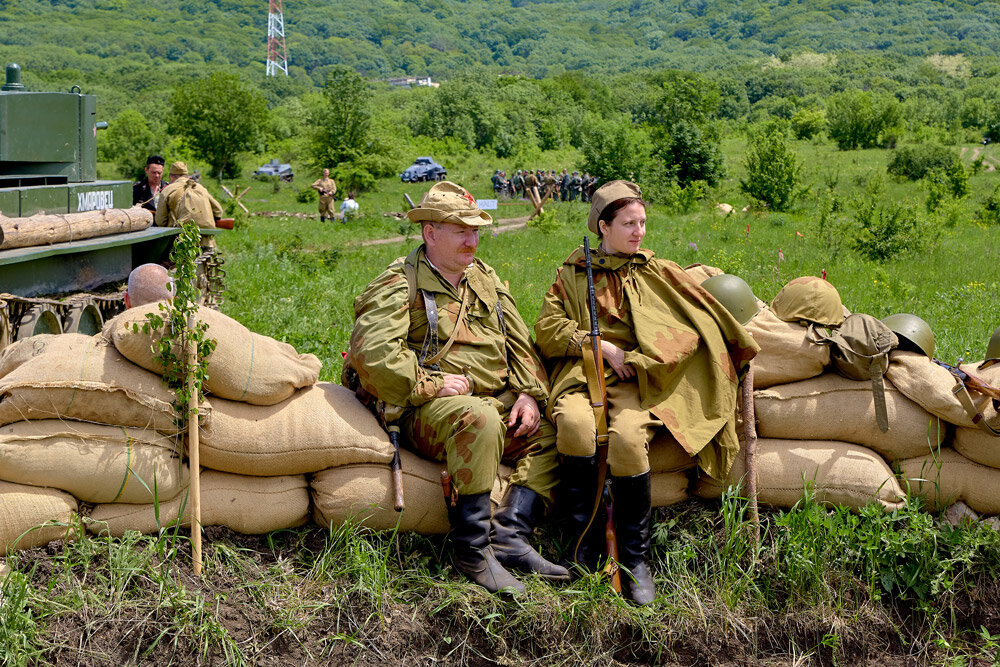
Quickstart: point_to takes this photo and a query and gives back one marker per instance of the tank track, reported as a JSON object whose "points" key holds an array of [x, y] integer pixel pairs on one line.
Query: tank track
{"points": [[83, 312]]}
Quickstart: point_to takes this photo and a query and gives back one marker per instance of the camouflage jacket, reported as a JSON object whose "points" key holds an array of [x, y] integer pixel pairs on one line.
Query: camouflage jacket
{"points": [[689, 352], [183, 200], [390, 327]]}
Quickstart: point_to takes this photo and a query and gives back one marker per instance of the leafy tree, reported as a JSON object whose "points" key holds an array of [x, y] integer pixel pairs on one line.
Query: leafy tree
{"points": [[773, 169], [129, 140], [219, 117], [857, 119], [616, 149], [688, 154], [808, 123]]}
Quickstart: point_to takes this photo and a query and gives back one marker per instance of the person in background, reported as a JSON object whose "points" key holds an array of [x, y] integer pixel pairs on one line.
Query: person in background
{"points": [[348, 208], [145, 192], [327, 188]]}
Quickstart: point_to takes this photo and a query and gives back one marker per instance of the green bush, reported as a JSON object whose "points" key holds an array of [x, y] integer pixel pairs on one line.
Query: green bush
{"points": [[808, 123], [306, 195], [857, 119], [989, 211], [773, 169], [915, 162], [886, 228]]}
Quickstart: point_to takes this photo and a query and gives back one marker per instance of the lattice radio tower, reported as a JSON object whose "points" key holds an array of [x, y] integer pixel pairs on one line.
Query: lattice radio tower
{"points": [[277, 53]]}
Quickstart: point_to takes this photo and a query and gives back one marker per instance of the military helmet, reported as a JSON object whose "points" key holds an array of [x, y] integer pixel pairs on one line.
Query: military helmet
{"points": [[993, 348], [914, 333], [811, 299], [733, 293]]}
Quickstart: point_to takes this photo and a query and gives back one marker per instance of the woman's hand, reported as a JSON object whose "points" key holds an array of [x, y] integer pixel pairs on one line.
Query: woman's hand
{"points": [[615, 357], [454, 385]]}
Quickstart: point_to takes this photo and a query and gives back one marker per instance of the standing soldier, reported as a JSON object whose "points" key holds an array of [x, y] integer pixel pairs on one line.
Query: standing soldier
{"points": [[327, 188], [471, 401], [585, 190], [517, 182], [551, 185], [531, 184], [564, 186], [575, 186]]}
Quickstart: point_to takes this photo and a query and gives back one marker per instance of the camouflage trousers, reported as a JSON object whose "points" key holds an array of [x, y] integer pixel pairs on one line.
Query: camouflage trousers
{"points": [[469, 433], [630, 428]]}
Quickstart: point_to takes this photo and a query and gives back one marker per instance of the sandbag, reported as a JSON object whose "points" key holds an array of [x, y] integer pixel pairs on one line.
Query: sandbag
{"points": [[947, 477], [75, 376], [831, 407], [95, 463], [249, 505], [23, 508], [840, 473], [702, 272], [667, 455], [786, 353], [319, 427], [363, 493], [245, 366], [668, 488], [932, 387]]}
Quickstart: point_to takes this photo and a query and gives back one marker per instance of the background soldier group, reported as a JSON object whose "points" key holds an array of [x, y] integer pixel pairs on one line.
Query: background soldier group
{"points": [[564, 186]]}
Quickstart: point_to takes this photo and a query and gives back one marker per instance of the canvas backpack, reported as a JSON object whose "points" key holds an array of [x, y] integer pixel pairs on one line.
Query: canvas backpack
{"points": [[859, 350]]}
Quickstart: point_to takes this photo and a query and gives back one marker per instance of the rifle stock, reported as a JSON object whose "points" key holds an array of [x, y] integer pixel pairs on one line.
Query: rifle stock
{"points": [[971, 381], [397, 468]]}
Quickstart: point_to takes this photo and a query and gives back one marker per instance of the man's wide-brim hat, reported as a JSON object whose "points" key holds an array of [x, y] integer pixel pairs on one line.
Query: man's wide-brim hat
{"points": [[606, 195], [178, 169], [449, 202]]}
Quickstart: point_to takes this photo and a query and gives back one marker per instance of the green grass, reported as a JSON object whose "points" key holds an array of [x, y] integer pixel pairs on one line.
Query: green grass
{"points": [[824, 586]]}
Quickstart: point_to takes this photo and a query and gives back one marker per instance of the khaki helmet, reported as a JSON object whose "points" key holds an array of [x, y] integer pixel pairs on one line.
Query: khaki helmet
{"points": [[733, 293], [993, 348], [913, 332], [811, 299]]}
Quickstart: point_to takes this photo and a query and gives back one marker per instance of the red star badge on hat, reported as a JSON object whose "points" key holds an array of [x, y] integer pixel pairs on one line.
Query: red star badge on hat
{"points": [[472, 202]]}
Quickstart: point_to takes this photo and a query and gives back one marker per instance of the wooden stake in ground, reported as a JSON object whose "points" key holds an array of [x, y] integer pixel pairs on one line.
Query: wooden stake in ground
{"points": [[194, 458], [750, 432], [236, 198]]}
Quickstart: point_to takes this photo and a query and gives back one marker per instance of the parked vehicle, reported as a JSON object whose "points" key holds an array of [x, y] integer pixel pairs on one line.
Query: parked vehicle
{"points": [[424, 169], [273, 168]]}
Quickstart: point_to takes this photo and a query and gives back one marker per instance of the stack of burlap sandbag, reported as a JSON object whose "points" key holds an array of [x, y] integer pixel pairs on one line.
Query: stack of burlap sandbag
{"points": [[815, 427], [969, 469]]}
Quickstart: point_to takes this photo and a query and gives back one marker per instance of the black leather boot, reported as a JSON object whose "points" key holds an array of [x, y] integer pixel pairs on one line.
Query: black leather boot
{"points": [[577, 490], [471, 550], [632, 509], [513, 523]]}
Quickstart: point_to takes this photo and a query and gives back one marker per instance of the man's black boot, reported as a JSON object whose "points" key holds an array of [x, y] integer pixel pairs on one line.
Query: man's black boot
{"points": [[632, 509], [471, 550], [513, 523], [577, 490]]}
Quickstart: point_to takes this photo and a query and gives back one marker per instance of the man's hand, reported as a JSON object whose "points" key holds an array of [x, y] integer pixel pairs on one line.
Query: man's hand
{"points": [[454, 385], [525, 411], [615, 356]]}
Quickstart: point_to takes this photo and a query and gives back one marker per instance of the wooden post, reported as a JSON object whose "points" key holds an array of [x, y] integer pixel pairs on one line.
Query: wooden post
{"points": [[62, 227], [194, 457], [750, 431], [236, 198]]}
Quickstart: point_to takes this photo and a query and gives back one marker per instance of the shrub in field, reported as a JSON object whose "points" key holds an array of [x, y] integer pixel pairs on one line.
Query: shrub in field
{"points": [[915, 162], [689, 153], [989, 210], [306, 195], [616, 150], [885, 228], [773, 169], [857, 119], [808, 123]]}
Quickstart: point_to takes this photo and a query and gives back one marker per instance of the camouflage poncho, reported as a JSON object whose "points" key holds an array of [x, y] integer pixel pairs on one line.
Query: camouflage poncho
{"points": [[389, 332], [689, 352]]}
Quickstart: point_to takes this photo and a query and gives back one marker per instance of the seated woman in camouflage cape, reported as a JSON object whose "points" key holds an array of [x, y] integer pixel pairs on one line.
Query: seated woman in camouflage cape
{"points": [[673, 358]]}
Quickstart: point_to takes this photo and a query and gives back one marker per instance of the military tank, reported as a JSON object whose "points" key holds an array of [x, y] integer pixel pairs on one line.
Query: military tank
{"points": [[48, 166]]}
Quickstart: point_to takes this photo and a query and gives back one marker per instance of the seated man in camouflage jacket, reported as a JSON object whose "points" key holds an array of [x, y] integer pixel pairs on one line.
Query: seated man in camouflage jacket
{"points": [[439, 335]]}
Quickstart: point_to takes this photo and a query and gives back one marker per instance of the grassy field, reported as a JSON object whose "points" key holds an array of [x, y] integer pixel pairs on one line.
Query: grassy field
{"points": [[824, 587]]}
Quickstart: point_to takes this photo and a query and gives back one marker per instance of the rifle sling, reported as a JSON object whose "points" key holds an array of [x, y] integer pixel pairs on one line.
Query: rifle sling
{"points": [[962, 394]]}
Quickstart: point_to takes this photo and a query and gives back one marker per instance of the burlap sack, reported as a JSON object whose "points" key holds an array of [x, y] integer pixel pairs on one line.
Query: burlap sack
{"points": [[250, 505], [667, 455], [668, 488], [320, 427], [244, 367], [840, 474], [23, 508], [363, 493], [947, 477], [74, 376], [702, 272], [95, 463], [974, 443], [831, 407], [786, 354], [931, 387]]}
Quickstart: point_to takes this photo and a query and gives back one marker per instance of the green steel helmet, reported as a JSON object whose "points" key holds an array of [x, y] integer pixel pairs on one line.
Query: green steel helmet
{"points": [[733, 293], [993, 348], [913, 332], [811, 299]]}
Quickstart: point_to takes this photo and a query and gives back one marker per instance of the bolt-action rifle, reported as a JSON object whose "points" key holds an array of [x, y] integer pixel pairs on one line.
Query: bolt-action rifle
{"points": [[593, 364], [963, 383]]}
